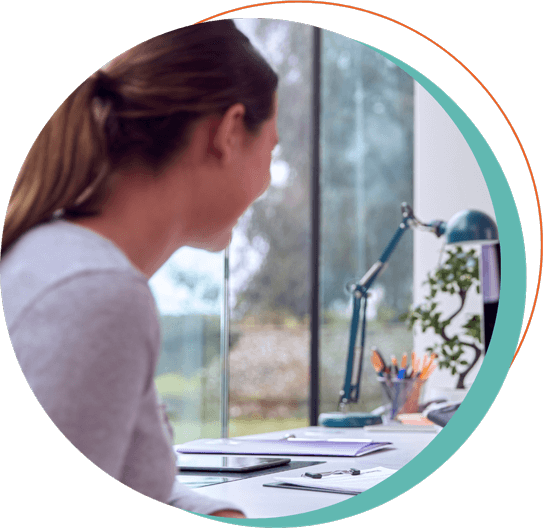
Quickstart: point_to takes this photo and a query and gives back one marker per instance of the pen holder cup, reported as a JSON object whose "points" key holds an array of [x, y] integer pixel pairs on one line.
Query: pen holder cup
{"points": [[402, 395]]}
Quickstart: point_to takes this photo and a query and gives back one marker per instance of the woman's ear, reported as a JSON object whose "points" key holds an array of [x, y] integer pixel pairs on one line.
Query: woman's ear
{"points": [[230, 132]]}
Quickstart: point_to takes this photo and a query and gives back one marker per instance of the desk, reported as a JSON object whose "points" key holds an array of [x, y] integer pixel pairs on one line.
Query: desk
{"points": [[258, 501]]}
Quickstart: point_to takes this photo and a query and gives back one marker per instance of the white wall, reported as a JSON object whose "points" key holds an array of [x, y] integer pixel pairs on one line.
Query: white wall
{"points": [[447, 179]]}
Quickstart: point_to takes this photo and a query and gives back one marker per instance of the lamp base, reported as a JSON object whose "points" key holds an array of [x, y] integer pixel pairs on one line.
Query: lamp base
{"points": [[354, 419]]}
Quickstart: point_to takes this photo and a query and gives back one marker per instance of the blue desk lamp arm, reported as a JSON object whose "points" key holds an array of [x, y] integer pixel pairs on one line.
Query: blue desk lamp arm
{"points": [[351, 392]]}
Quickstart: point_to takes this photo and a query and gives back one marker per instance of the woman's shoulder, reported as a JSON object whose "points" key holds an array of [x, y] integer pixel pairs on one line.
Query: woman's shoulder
{"points": [[63, 247], [65, 258]]}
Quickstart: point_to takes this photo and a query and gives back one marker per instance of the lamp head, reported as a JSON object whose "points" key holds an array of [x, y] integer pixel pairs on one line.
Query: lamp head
{"points": [[471, 226]]}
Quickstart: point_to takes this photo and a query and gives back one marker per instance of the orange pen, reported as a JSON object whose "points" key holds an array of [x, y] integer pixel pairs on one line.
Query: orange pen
{"points": [[425, 375], [414, 364], [377, 362], [425, 362], [429, 366], [404, 361]]}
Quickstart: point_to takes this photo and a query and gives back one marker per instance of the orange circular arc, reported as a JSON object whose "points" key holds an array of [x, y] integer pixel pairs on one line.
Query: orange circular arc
{"points": [[482, 86]]}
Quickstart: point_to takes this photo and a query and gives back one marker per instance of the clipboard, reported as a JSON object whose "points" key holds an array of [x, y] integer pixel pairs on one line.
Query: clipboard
{"points": [[347, 482]]}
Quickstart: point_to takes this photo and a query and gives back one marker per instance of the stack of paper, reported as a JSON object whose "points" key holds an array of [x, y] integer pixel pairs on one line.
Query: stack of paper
{"points": [[343, 483]]}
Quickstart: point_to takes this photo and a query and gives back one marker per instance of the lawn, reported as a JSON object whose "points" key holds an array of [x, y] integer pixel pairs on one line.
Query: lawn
{"points": [[269, 379], [185, 431]]}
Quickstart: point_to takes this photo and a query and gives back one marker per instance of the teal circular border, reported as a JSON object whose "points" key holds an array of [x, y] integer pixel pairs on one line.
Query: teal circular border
{"points": [[498, 358]]}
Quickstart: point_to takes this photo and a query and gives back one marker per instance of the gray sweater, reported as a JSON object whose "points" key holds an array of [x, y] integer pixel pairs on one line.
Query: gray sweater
{"points": [[84, 327]]}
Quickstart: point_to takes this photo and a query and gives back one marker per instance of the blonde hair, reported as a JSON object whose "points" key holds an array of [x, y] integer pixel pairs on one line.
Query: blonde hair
{"points": [[142, 106]]}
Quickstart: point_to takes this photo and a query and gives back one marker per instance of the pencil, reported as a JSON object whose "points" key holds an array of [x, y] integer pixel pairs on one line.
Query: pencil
{"points": [[429, 370], [404, 361], [429, 367], [385, 367], [414, 364], [394, 363], [376, 364], [425, 362]]}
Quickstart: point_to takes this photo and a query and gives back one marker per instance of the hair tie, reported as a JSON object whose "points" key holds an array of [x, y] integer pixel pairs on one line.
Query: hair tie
{"points": [[104, 86], [104, 100]]}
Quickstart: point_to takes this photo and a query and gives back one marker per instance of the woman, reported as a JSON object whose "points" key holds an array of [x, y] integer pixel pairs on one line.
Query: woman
{"points": [[165, 147]]}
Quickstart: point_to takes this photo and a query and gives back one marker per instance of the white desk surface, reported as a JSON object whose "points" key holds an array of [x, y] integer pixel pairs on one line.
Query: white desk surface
{"points": [[258, 501]]}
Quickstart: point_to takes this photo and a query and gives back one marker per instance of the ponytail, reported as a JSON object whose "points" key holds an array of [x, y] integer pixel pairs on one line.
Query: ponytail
{"points": [[142, 107], [63, 169]]}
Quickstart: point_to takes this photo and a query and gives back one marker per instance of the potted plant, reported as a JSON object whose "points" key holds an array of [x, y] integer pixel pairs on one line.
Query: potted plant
{"points": [[457, 350]]}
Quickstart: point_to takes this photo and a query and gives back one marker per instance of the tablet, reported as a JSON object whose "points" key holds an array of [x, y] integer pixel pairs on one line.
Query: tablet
{"points": [[238, 464]]}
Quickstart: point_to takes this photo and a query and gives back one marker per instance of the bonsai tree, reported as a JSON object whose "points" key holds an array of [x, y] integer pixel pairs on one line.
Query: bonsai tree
{"points": [[456, 277]]}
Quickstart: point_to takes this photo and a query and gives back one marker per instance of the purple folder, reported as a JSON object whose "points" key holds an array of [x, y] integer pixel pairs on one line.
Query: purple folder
{"points": [[234, 446]]}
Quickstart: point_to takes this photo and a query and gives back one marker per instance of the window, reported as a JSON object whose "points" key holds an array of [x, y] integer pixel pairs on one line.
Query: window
{"points": [[365, 153], [188, 292], [270, 255], [366, 138]]}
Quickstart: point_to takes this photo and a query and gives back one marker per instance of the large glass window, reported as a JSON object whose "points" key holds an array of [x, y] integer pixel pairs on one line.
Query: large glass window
{"points": [[365, 173], [270, 255], [188, 292], [366, 139], [268, 282]]}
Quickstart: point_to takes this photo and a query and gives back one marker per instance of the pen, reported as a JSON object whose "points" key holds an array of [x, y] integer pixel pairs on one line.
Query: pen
{"points": [[425, 359], [402, 371], [394, 364], [426, 374], [382, 371], [377, 364], [414, 364], [376, 352], [428, 366], [352, 471], [333, 440]]}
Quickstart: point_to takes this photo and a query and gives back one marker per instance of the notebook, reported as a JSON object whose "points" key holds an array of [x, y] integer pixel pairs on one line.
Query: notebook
{"points": [[282, 446]]}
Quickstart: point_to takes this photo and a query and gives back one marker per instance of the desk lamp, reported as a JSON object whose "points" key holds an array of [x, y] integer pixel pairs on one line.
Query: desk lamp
{"points": [[465, 226]]}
